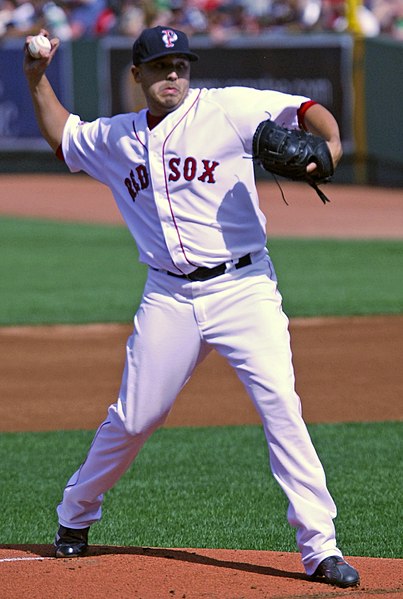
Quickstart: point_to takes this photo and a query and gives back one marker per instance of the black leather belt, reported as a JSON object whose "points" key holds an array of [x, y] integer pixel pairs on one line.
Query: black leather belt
{"points": [[203, 273]]}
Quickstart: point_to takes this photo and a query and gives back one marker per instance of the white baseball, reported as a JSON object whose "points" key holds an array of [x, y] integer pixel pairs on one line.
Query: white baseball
{"points": [[38, 42]]}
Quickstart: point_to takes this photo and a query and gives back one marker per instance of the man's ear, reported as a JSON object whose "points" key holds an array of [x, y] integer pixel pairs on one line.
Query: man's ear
{"points": [[136, 74]]}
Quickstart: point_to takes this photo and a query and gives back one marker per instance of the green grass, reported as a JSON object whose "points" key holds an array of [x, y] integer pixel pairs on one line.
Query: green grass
{"points": [[55, 272], [339, 277], [67, 273], [209, 487]]}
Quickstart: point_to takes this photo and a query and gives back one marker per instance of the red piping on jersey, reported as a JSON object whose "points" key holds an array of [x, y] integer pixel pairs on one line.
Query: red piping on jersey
{"points": [[301, 113], [166, 180], [138, 139]]}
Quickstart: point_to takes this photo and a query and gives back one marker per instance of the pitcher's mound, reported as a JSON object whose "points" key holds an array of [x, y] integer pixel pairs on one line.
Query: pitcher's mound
{"points": [[157, 573]]}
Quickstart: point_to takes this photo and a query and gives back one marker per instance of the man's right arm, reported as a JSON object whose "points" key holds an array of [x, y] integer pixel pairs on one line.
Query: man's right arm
{"points": [[50, 114]]}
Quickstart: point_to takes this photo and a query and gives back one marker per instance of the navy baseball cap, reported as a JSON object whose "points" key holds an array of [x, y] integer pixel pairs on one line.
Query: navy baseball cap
{"points": [[161, 41]]}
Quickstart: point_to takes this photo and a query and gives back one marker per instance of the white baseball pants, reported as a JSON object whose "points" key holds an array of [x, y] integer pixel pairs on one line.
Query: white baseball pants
{"points": [[177, 323]]}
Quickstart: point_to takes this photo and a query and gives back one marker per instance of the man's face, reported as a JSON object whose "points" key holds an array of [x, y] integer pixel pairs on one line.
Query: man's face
{"points": [[165, 82]]}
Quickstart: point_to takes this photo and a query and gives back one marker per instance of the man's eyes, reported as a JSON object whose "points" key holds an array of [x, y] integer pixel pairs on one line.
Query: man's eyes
{"points": [[160, 66]]}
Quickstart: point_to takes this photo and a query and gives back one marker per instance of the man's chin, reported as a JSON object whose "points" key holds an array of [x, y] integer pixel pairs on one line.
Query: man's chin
{"points": [[171, 104]]}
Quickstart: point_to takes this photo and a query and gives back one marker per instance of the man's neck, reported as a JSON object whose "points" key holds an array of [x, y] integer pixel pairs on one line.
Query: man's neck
{"points": [[153, 120]]}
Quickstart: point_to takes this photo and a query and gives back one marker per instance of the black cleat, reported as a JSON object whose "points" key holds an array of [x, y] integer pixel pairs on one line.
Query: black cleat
{"points": [[71, 542], [335, 570]]}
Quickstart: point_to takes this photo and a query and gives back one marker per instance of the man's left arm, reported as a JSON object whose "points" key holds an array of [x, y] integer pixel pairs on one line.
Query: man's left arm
{"points": [[319, 121]]}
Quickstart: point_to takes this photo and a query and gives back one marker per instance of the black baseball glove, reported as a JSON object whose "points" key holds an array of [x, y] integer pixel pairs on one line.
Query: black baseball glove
{"points": [[287, 152]]}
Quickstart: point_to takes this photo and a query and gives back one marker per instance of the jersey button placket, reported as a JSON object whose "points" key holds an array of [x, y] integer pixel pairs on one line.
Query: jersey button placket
{"points": [[160, 197]]}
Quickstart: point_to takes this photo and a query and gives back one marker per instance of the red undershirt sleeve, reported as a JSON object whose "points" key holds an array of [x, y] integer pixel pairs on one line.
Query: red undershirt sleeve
{"points": [[59, 153], [301, 113]]}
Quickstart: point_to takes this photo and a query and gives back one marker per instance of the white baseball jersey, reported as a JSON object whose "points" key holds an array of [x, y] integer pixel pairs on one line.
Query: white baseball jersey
{"points": [[186, 196]]}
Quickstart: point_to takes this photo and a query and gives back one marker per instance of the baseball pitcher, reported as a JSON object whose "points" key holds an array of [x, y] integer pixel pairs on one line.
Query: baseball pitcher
{"points": [[182, 174]]}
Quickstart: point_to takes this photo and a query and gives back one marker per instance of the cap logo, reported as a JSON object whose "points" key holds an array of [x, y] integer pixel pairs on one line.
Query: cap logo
{"points": [[169, 38]]}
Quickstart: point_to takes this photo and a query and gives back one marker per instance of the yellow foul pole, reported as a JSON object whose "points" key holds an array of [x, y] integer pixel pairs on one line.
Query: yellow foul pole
{"points": [[352, 7], [352, 17]]}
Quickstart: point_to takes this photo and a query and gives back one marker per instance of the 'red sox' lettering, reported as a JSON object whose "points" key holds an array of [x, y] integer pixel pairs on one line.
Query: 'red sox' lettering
{"points": [[189, 169], [135, 182]]}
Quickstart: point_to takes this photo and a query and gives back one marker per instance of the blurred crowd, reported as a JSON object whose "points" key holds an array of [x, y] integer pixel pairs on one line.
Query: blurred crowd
{"points": [[219, 19]]}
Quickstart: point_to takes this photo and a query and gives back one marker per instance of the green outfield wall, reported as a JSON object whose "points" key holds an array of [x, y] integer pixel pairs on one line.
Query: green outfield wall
{"points": [[383, 68]]}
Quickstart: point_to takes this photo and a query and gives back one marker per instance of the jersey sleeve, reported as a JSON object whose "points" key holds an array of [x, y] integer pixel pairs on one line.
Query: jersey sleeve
{"points": [[247, 107], [84, 146]]}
